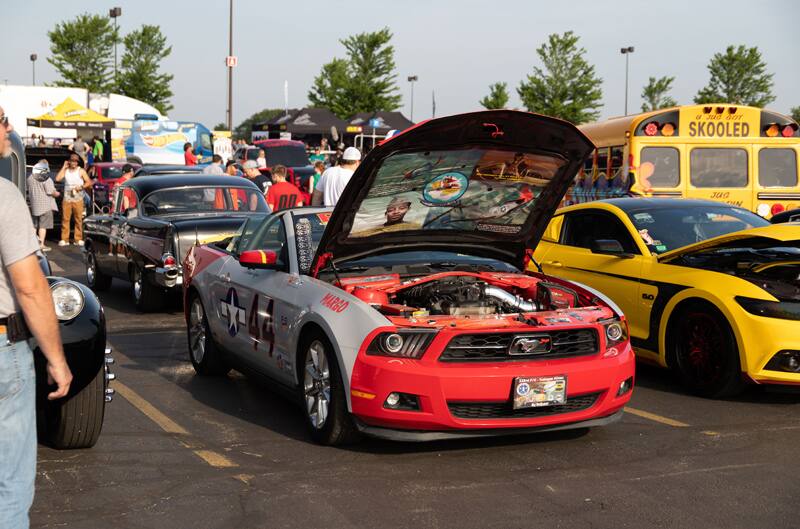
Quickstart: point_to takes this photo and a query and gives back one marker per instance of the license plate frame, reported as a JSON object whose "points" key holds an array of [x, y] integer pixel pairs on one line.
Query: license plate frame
{"points": [[539, 392]]}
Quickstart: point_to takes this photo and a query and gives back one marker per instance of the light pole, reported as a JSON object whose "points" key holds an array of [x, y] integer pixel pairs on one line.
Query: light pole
{"points": [[115, 12], [33, 66], [411, 79], [626, 51], [230, 66]]}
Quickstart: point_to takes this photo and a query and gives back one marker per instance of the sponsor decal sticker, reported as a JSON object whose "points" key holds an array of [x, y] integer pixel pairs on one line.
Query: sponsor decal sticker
{"points": [[334, 303], [445, 188]]}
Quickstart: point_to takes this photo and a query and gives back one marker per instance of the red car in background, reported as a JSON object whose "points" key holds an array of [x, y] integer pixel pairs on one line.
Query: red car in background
{"points": [[290, 153], [105, 177]]}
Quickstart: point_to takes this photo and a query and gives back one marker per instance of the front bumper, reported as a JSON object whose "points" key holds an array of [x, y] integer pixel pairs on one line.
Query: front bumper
{"points": [[445, 390], [761, 339]]}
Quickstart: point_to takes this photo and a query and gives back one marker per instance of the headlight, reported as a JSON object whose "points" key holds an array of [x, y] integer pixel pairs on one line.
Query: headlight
{"points": [[785, 310], [615, 330], [68, 300], [401, 344]]}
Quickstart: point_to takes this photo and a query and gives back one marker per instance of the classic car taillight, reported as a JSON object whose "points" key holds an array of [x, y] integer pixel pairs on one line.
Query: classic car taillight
{"points": [[168, 260]]}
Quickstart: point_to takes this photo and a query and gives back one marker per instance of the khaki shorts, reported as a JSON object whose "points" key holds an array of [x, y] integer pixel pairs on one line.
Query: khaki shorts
{"points": [[43, 221]]}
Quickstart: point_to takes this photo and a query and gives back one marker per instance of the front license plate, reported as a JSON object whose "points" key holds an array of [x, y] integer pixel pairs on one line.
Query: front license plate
{"points": [[535, 392]]}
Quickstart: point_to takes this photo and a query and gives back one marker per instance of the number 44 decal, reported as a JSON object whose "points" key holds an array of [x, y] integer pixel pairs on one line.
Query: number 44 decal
{"points": [[265, 332]]}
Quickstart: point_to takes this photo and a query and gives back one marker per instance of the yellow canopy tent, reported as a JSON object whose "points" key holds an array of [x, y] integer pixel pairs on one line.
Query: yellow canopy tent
{"points": [[70, 115]]}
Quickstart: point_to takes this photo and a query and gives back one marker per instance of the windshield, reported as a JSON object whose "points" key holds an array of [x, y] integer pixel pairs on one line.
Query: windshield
{"points": [[665, 229], [111, 173], [203, 200], [474, 190], [288, 155]]}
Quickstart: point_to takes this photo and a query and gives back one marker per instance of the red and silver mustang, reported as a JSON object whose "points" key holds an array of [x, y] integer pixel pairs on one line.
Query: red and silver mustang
{"points": [[405, 312]]}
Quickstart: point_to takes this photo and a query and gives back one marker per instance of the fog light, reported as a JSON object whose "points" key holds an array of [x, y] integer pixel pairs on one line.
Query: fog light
{"points": [[786, 360], [625, 386], [393, 400], [402, 401]]}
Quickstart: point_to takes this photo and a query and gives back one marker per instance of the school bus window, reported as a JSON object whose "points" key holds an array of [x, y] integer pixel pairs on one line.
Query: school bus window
{"points": [[616, 161], [709, 167], [777, 167], [588, 164], [660, 166], [602, 162]]}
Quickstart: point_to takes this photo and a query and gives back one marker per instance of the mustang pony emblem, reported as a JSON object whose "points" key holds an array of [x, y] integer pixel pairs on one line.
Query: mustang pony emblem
{"points": [[531, 344]]}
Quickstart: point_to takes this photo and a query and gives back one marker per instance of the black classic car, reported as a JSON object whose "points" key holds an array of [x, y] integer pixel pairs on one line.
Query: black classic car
{"points": [[153, 222], [76, 420], [792, 215]]}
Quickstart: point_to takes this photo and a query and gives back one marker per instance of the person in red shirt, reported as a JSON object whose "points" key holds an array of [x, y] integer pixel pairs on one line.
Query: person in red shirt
{"points": [[188, 154], [282, 194]]}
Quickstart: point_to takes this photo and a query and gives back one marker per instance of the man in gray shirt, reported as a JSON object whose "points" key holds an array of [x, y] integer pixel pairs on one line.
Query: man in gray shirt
{"points": [[26, 307]]}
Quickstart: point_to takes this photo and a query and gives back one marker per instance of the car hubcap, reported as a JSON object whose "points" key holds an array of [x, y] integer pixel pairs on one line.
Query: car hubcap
{"points": [[703, 349], [90, 270], [137, 286], [197, 331], [317, 385]]}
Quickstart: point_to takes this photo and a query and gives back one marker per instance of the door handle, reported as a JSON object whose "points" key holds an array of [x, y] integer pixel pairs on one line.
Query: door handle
{"points": [[554, 264], [226, 278]]}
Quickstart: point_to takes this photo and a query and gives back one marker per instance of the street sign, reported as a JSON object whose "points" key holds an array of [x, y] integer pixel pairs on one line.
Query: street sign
{"points": [[231, 61]]}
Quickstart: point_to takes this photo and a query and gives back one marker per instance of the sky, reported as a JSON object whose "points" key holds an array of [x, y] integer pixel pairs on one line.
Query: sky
{"points": [[457, 48]]}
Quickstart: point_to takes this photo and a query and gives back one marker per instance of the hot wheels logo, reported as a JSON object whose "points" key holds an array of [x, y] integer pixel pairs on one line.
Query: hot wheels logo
{"points": [[163, 140]]}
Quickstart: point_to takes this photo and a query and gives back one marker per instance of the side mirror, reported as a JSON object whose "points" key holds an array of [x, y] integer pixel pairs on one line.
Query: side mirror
{"points": [[258, 259], [609, 247]]}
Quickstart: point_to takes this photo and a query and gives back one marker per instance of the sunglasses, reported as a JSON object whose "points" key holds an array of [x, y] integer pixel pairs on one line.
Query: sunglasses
{"points": [[4, 120]]}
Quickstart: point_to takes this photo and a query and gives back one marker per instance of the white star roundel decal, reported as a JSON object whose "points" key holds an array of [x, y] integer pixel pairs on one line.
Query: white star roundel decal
{"points": [[230, 309]]}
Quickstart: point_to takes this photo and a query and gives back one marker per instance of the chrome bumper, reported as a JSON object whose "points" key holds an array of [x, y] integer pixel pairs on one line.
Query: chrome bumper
{"points": [[108, 360], [168, 277]]}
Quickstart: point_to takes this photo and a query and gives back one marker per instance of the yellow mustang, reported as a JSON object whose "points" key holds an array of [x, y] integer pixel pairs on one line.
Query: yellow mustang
{"points": [[710, 290]]}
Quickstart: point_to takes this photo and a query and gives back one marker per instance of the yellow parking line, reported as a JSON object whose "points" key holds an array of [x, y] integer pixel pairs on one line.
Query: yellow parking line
{"points": [[656, 418], [164, 422], [214, 459]]}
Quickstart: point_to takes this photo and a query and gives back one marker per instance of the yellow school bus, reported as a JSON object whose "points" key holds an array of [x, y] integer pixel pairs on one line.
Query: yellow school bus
{"points": [[730, 153]]}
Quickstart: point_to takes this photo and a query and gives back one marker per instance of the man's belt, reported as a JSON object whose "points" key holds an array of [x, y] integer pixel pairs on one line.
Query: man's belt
{"points": [[15, 328]]}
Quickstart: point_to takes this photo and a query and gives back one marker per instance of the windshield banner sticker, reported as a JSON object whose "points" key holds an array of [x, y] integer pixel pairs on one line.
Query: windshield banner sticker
{"points": [[463, 190]]}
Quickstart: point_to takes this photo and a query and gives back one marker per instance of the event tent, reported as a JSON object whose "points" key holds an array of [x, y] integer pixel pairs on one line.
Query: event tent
{"points": [[71, 115]]}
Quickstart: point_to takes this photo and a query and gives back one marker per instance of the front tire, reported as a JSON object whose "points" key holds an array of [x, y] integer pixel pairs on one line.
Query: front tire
{"points": [[705, 354], [146, 296], [97, 280], [322, 393], [204, 353], [76, 421]]}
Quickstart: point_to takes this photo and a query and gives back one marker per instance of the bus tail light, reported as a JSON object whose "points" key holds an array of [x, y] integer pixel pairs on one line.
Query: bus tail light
{"points": [[667, 129], [651, 129], [777, 208], [788, 130]]}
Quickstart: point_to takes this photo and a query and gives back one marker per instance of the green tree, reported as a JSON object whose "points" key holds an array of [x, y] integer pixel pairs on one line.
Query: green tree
{"points": [[567, 86], [655, 94], [738, 76], [497, 98], [795, 113], [363, 82], [139, 76], [221, 126], [243, 129], [330, 88], [82, 52]]}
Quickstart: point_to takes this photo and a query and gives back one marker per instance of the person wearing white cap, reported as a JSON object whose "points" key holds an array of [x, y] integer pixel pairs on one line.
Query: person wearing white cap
{"points": [[334, 180], [41, 196]]}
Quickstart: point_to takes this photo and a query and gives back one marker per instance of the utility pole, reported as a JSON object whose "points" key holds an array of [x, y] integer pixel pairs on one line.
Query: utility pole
{"points": [[411, 79], [433, 104], [626, 51], [230, 67], [115, 12], [33, 65]]}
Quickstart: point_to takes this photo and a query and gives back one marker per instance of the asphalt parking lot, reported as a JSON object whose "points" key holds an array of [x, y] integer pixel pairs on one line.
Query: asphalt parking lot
{"points": [[178, 451]]}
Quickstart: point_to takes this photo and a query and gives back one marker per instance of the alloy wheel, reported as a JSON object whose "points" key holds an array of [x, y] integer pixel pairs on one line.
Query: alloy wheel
{"points": [[197, 331], [317, 385]]}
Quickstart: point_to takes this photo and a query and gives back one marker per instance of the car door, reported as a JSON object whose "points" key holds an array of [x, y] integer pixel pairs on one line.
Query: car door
{"points": [[618, 277], [251, 301]]}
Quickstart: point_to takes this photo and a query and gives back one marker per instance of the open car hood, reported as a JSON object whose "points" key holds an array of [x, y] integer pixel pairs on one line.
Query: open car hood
{"points": [[754, 237], [483, 183]]}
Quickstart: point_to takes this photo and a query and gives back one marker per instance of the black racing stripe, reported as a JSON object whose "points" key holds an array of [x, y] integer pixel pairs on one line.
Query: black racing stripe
{"points": [[666, 291]]}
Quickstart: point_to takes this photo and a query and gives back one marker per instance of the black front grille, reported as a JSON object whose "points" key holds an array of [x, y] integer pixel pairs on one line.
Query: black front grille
{"points": [[493, 347], [505, 410]]}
